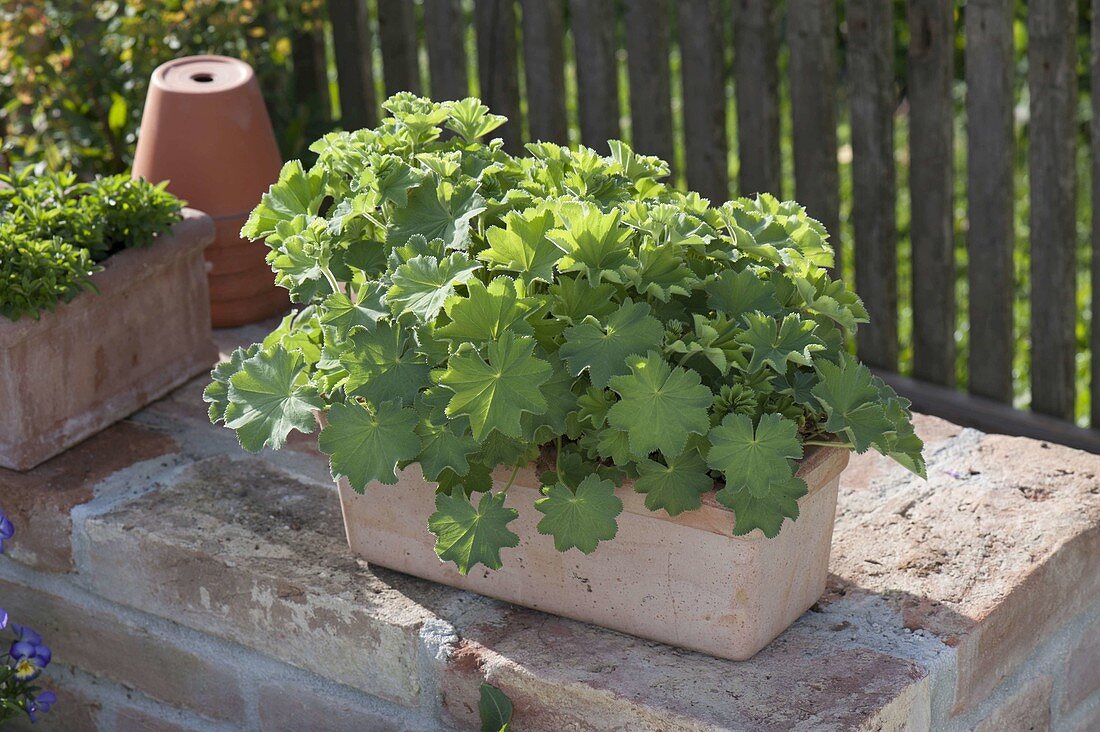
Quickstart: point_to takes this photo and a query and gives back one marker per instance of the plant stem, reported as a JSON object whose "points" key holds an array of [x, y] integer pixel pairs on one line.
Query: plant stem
{"points": [[511, 480], [687, 356], [830, 443], [331, 279]]}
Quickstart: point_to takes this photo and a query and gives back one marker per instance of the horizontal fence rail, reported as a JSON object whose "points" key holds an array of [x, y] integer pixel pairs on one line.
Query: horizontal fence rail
{"points": [[731, 91]]}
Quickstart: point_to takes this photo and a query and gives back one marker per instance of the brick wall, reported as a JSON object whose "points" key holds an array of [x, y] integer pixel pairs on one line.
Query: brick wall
{"points": [[186, 585]]}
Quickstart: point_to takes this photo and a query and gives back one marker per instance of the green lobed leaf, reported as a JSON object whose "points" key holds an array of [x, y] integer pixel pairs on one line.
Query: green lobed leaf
{"points": [[470, 536], [383, 365], [752, 458], [676, 485], [659, 405], [365, 444], [522, 245], [764, 511], [777, 344], [270, 396], [602, 347], [422, 285], [850, 398], [486, 312], [496, 390], [580, 518], [297, 192]]}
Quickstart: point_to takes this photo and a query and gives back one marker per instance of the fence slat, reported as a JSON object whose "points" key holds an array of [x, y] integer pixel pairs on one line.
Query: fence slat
{"points": [[1094, 420], [989, 153], [544, 70], [354, 77], [593, 25], [444, 33], [931, 62], [498, 74], [310, 74], [874, 188], [811, 38], [397, 39], [756, 83], [1051, 164], [648, 72], [703, 80]]}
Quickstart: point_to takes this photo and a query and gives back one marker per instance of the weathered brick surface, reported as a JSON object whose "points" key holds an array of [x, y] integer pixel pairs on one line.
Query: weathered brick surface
{"points": [[102, 643], [137, 720], [920, 572], [563, 675], [297, 708], [993, 553], [1028, 710], [39, 501], [1082, 670], [242, 551], [77, 710]]}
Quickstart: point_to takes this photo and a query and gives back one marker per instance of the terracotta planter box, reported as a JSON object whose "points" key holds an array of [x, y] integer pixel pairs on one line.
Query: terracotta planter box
{"points": [[685, 581], [104, 355]]}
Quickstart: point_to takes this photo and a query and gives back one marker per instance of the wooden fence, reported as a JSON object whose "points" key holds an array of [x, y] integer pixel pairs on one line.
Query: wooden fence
{"points": [[529, 53]]}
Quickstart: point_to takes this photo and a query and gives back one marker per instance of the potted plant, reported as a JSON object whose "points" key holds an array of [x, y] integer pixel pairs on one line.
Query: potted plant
{"points": [[529, 357], [103, 306]]}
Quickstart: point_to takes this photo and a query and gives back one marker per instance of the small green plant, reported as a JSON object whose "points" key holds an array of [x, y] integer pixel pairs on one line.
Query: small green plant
{"points": [[465, 309], [54, 229]]}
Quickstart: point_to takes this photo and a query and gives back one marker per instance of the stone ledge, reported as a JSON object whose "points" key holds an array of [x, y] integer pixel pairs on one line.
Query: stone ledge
{"points": [[949, 601], [252, 551]]}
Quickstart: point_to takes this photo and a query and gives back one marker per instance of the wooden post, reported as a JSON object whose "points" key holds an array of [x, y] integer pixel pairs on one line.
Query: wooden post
{"points": [[354, 76], [544, 70], [1052, 81], [874, 185], [756, 81], [931, 187], [989, 151]]}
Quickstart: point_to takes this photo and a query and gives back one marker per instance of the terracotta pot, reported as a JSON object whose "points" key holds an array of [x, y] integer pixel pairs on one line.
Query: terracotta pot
{"points": [[205, 130], [109, 352], [686, 580]]}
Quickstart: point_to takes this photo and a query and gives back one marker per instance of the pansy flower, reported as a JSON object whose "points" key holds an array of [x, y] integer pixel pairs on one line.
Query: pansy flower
{"points": [[7, 530]]}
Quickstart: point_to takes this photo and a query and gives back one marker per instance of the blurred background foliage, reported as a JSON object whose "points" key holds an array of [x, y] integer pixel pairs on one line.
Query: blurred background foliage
{"points": [[73, 73]]}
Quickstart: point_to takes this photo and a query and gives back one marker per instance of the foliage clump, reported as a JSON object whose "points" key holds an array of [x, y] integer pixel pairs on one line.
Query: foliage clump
{"points": [[465, 309], [54, 229]]}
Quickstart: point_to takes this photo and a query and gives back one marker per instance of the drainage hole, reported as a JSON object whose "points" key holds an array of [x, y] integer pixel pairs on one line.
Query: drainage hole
{"points": [[202, 78]]}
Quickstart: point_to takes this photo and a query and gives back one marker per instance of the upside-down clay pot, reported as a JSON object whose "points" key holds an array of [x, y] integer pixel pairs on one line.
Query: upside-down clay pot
{"points": [[206, 131]]}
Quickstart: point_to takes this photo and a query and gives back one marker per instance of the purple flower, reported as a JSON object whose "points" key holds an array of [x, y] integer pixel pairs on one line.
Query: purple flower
{"points": [[24, 633], [3, 618], [7, 530], [40, 704], [29, 654]]}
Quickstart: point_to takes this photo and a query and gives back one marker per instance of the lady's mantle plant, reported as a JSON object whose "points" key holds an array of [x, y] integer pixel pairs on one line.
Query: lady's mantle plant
{"points": [[465, 309]]}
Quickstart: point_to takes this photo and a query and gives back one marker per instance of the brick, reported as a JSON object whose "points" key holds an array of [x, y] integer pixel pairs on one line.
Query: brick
{"points": [[562, 674], [129, 719], [1028, 710], [77, 709], [293, 706], [995, 552], [239, 550], [99, 641], [39, 501], [1082, 670]]}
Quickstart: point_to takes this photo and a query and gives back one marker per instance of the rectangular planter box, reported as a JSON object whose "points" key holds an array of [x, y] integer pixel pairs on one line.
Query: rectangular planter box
{"points": [[106, 354], [686, 581]]}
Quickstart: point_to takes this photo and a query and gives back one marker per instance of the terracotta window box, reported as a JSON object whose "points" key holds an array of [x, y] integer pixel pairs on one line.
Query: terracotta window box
{"points": [[686, 581], [106, 354]]}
